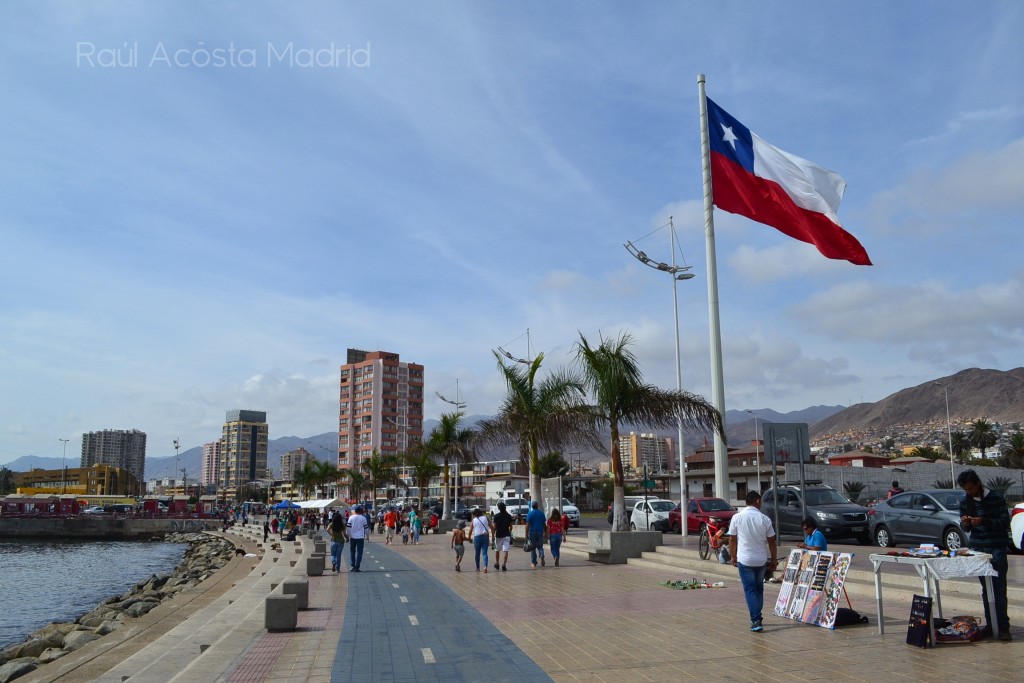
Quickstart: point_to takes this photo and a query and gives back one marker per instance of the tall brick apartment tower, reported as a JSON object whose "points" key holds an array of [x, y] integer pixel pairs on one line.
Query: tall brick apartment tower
{"points": [[380, 406]]}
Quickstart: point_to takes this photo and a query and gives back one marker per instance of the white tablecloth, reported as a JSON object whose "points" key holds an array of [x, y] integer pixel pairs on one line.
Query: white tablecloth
{"points": [[953, 567]]}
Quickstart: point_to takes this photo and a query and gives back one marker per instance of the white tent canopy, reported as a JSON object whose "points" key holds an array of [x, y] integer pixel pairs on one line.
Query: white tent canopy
{"points": [[322, 503]]}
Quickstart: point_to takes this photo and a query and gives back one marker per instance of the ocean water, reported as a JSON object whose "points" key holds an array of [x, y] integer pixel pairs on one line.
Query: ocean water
{"points": [[47, 581]]}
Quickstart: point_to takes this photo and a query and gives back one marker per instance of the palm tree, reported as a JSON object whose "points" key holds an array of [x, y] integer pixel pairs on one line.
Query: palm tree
{"points": [[379, 469], [325, 473], [551, 414], [423, 467], [982, 435], [960, 444], [925, 452], [451, 442], [305, 477], [1015, 453], [356, 482], [612, 374]]}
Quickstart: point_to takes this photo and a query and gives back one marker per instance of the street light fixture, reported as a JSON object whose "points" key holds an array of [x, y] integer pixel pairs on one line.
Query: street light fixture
{"points": [[176, 447], [64, 467], [949, 433], [678, 273]]}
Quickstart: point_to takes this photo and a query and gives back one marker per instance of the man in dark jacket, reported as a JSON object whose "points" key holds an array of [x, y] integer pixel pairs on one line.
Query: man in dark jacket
{"points": [[984, 516]]}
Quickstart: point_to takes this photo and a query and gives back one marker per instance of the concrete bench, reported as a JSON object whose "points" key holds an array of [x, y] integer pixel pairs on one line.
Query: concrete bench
{"points": [[281, 612], [615, 547], [315, 565], [300, 589]]}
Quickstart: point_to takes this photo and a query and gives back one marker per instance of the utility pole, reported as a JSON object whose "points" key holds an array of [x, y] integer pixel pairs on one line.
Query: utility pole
{"points": [[64, 467]]}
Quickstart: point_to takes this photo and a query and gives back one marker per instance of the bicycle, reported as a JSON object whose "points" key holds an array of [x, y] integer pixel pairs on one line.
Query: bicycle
{"points": [[712, 538]]}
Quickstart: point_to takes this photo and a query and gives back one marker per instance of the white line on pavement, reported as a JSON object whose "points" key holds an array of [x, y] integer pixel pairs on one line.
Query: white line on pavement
{"points": [[413, 620], [428, 656]]}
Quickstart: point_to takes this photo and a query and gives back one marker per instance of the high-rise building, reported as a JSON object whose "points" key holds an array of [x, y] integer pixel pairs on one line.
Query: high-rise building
{"points": [[124, 448], [294, 460], [243, 448], [210, 464], [639, 449], [380, 406]]}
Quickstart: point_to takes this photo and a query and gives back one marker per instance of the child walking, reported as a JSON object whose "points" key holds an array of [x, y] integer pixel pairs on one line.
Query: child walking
{"points": [[459, 544]]}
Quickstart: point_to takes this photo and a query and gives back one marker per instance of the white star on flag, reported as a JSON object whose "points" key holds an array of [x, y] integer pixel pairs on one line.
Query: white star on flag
{"points": [[728, 136]]}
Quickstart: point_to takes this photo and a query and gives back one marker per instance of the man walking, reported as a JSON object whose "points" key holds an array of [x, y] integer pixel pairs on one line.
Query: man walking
{"points": [[535, 523], [357, 526], [753, 550], [985, 517], [390, 522], [502, 524]]}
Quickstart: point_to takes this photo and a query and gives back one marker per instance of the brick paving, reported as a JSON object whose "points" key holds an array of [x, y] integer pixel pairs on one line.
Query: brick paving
{"points": [[408, 616]]}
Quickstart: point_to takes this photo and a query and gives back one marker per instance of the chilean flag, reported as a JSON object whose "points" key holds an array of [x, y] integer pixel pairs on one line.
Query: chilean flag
{"points": [[771, 186]]}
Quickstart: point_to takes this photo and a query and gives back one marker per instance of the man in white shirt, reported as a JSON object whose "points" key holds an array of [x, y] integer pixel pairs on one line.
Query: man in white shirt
{"points": [[357, 526], [751, 542]]}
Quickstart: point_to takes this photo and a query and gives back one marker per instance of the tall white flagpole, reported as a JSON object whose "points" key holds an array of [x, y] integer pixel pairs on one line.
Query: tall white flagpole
{"points": [[717, 382]]}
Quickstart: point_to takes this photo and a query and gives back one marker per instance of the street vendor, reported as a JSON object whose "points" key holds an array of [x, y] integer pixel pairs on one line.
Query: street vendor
{"points": [[984, 516], [813, 538]]}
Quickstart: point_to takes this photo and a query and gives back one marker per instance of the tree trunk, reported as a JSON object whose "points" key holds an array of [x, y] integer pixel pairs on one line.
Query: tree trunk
{"points": [[619, 520]]}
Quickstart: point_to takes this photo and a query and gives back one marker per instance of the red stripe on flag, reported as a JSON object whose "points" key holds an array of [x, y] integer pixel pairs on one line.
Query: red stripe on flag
{"points": [[764, 201]]}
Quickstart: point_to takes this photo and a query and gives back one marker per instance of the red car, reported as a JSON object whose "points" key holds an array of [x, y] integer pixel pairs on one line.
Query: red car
{"points": [[700, 510]]}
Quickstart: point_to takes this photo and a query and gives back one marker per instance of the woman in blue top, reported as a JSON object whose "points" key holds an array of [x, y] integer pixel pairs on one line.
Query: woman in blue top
{"points": [[813, 539]]}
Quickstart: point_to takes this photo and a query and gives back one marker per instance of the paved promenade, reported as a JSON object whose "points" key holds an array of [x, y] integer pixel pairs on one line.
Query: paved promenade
{"points": [[408, 616]]}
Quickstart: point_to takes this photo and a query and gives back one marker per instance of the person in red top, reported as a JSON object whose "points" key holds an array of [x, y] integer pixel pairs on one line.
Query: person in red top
{"points": [[390, 520], [565, 524], [555, 530]]}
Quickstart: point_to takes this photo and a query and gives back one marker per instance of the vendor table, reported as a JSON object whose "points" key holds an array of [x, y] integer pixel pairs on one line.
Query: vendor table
{"points": [[931, 569]]}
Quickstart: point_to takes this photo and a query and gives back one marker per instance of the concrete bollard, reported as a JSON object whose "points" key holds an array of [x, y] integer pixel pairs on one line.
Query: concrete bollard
{"points": [[300, 589], [320, 547], [315, 565], [281, 612]]}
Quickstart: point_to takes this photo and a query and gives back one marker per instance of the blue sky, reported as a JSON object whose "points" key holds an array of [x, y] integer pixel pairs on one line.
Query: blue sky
{"points": [[181, 238]]}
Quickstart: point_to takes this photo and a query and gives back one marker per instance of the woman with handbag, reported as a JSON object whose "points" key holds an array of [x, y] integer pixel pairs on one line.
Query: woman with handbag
{"points": [[481, 537]]}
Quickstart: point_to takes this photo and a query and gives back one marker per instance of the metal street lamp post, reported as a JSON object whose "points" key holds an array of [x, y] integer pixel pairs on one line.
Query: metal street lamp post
{"points": [[176, 447], [949, 434], [64, 467], [677, 273], [757, 446]]}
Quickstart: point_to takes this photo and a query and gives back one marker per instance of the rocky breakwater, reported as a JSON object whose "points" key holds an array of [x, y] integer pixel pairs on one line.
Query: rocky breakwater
{"points": [[205, 555]]}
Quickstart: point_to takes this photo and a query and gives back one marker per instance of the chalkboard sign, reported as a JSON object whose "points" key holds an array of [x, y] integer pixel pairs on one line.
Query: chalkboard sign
{"points": [[919, 629]]}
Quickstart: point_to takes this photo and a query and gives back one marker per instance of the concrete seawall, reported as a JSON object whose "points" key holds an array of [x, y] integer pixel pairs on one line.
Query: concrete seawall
{"points": [[98, 527]]}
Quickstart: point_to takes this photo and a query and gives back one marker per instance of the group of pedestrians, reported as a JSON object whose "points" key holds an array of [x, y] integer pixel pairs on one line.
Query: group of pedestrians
{"points": [[496, 534]]}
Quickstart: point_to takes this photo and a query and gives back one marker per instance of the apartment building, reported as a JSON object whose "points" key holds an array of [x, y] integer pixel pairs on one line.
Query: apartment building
{"points": [[209, 467], [124, 448], [380, 406], [655, 451], [243, 448], [294, 460]]}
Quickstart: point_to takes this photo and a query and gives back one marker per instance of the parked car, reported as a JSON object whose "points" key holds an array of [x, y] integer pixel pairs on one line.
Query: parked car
{"points": [[1017, 525], [916, 517], [837, 517], [513, 506], [647, 514], [631, 502], [458, 510], [93, 510], [699, 512], [572, 512]]}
